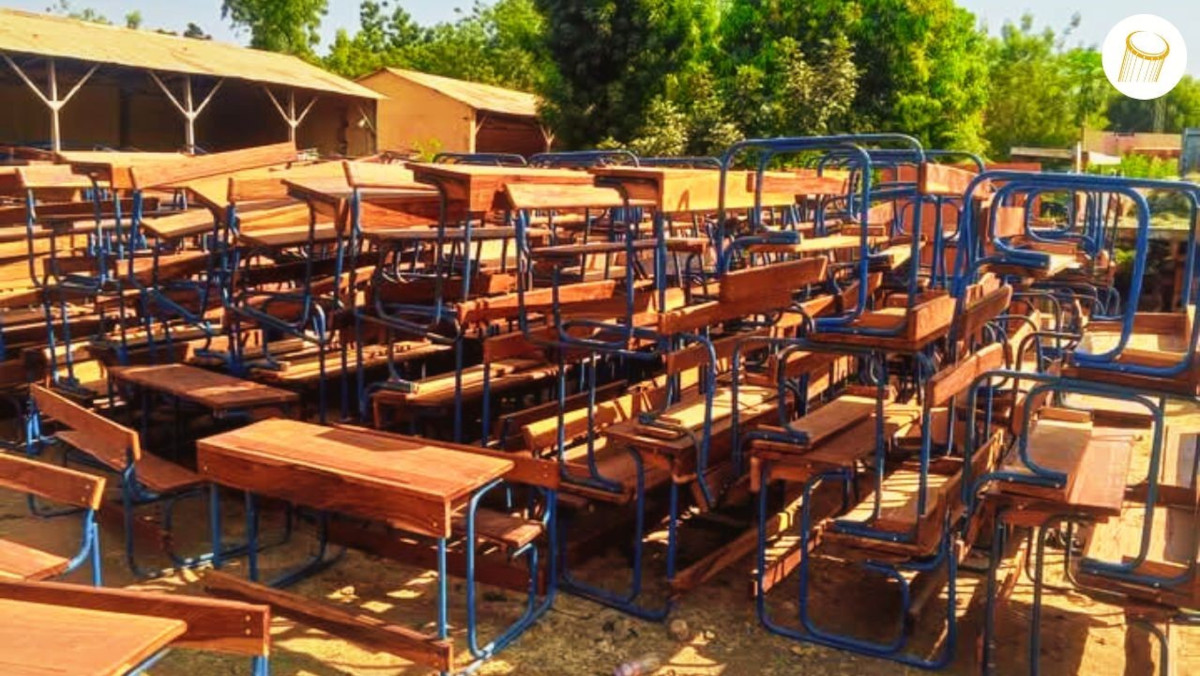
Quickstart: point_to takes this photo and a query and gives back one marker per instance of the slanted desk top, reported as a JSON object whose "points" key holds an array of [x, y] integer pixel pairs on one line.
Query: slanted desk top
{"points": [[482, 188], [379, 207], [38, 639], [216, 391], [688, 190], [412, 484]]}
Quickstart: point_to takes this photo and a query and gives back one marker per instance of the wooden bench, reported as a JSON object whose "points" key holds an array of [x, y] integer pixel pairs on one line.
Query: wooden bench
{"points": [[60, 485], [144, 476], [900, 329], [758, 290], [409, 483], [1095, 461]]}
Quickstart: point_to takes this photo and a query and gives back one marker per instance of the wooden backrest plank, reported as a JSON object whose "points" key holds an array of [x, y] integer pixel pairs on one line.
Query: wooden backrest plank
{"points": [[51, 176], [769, 281], [944, 179], [215, 164], [697, 355], [1010, 222], [60, 484], [952, 380], [983, 310], [110, 442], [212, 624]]}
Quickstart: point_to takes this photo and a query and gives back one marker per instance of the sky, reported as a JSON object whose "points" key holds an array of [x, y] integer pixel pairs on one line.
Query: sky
{"points": [[1098, 15]]}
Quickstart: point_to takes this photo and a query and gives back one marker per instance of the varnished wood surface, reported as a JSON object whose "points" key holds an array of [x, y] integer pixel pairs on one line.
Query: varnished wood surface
{"points": [[410, 482], [213, 390], [38, 639]]}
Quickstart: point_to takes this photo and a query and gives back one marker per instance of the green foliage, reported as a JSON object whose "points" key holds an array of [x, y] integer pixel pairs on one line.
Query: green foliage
{"points": [[1140, 166], [195, 31], [133, 19], [497, 44], [288, 26], [924, 71], [1041, 94], [613, 58], [1173, 113]]}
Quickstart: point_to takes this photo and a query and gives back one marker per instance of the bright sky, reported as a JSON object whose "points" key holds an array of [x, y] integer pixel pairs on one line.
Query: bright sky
{"points": [[1098, 15]]}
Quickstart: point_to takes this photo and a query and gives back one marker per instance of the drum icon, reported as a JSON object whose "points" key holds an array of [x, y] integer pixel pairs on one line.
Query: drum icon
{"points": [[1145, 53]]}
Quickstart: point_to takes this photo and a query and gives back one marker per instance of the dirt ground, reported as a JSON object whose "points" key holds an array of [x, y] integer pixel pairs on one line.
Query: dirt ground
{"points": [[578, 637]]}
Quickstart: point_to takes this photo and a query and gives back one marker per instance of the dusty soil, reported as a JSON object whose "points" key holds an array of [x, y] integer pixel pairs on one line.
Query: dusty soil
{"points": [[578, 637]]}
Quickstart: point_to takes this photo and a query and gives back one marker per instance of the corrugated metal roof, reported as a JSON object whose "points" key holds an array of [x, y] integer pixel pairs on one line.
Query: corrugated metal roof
{"points": [[45, 35], [479, 96]]}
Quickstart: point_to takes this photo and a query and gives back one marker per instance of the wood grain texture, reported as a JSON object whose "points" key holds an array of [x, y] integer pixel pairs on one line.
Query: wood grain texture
{"points": [[107, 441], [60, 484], [481, 189], [221, 626], [359, 628], [213, 390], [38, 639], [412, 483]]}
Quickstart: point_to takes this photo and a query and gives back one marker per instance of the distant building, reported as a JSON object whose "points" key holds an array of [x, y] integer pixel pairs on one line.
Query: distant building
{"points": [[429, 113], [69, 84], [1138, 143]]}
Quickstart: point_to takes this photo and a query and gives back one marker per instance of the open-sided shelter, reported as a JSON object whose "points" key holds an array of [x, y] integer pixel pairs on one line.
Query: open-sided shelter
{"points": [[67, 84]]}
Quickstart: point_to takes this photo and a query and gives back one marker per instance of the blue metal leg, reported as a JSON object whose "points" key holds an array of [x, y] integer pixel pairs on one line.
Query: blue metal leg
{"points": [[627, 602], [442, 593], [252, 536]]}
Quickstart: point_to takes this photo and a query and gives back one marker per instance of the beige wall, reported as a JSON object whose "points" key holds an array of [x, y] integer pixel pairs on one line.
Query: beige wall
{"points": [[417, 118]]}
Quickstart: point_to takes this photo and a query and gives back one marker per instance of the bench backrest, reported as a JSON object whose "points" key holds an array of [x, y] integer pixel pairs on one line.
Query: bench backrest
{"points": [[109, 442], [954, 380], [66, 486], [209, 166]]}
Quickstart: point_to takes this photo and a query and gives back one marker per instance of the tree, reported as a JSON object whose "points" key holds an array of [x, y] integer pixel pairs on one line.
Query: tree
{"points": [[614, 58], [288, 26], [195, 31], [916, 66], [133, 20], [497, 44], [1174, 112], [1040, 94]]}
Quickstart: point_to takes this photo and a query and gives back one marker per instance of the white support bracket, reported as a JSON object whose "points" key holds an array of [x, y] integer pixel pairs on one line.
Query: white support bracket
{"points": [[547, 136], [52, 101], [187, 107], [289, 116]]}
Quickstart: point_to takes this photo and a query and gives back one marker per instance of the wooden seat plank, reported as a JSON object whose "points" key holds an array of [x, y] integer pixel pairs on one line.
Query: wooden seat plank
{"points": [[183, 224], [899, 494], [294, 235], [511, 531], [832, 418], [21, 562]]}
